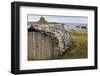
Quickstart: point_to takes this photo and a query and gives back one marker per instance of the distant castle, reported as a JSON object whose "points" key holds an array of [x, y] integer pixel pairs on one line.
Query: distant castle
{"points": [[43, 23]]}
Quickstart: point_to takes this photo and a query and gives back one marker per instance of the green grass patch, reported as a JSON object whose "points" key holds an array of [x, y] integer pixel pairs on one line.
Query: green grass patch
{"points": [[79, 48]]}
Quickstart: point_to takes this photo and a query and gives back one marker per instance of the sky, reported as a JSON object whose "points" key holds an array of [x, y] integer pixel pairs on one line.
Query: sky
{"points": [[59, 19]]}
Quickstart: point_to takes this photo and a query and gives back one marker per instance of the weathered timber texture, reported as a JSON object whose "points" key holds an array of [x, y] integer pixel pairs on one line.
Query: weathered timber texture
{"points": [[40, 46]]}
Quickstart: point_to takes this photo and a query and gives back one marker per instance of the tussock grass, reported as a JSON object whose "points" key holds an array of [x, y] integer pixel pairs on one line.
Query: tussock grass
{"points": [[79, 48]]}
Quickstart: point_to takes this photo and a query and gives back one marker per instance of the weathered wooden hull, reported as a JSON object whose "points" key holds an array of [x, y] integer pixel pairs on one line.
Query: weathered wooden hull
{"points": [[47, 43]]}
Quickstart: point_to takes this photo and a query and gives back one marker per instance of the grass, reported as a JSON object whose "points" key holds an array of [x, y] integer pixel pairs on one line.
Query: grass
{"points": [[79, 48]]}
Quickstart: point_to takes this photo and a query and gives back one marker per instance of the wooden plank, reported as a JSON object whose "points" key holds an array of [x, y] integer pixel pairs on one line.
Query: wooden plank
{"points": [[46, 48], [30, 45], [36, 45], [43, 46], [49, 47], [46, 45], [39, 46], [33, 46]]}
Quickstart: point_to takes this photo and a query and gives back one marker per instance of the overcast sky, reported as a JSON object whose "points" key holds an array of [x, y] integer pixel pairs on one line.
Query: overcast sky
{"points": [[60, 19]]}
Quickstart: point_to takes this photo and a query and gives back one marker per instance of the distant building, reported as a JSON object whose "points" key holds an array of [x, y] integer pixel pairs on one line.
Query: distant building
{"points": [[43, 23], [76, 27]]}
